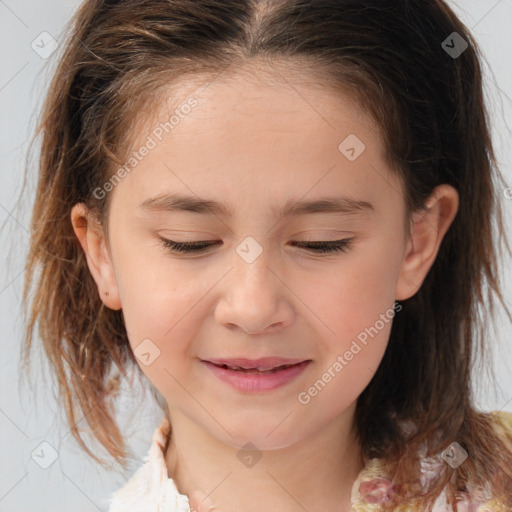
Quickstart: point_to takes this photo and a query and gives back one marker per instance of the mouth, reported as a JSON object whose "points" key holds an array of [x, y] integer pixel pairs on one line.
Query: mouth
{"points": [[259, 376], [255, 370], [262, 365]]}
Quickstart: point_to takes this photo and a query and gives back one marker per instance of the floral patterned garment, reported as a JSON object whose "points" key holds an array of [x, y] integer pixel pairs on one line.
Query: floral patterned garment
{"points": [[151, 490]]}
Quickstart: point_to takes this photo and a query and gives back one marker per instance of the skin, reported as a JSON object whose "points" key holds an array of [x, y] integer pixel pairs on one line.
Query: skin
{"points": [[254, 144]]}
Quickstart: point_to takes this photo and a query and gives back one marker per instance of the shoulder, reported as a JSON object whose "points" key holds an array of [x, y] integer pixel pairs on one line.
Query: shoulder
{"points": [[502, 424], [150, 488], [477, 498], [480, 499], [373, 487]]}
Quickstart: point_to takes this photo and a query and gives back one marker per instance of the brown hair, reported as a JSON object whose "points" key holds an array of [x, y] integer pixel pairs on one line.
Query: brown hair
{"points": [[434, 125]]}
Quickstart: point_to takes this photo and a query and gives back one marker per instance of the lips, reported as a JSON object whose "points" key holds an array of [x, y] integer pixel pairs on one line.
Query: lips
{"points": [[259, 369], [254, 380], [264, 364]]}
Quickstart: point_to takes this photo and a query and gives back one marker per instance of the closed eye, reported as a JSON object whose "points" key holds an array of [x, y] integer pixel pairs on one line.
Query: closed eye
{"points": [[317, 247]]}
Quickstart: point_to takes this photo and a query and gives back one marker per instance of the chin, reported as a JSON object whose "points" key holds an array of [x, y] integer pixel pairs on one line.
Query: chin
{"points": [[273, 437]]}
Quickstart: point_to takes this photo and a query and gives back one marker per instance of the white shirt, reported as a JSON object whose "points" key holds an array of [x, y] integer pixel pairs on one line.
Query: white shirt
{"points": [[150, 489]]}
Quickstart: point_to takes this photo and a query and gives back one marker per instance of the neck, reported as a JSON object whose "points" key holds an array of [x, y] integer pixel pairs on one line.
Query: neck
{"points": [[315, 473]]}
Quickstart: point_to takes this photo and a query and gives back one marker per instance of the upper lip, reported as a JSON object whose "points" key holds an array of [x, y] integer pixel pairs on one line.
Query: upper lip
{"points": [[263, 362]]}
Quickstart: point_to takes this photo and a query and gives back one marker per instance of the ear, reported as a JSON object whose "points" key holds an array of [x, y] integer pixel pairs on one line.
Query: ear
{"points": [[91, 237], [427, 232]]}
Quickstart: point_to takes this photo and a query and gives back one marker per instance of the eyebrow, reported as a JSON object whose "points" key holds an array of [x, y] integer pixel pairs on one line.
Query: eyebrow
{"points": [[186, 203]]}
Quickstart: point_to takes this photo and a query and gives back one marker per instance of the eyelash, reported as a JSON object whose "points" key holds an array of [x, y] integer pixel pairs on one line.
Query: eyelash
{"points": [[320, 247]]}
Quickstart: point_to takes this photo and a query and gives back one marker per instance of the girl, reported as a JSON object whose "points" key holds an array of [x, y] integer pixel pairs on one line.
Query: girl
{"points": [[281, 213]]}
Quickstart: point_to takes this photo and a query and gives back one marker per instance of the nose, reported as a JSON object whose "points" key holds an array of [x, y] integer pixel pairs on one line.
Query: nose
{"points": [[254, 298]]}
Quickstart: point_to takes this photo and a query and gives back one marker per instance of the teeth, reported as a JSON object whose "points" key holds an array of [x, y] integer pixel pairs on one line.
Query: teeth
{"points": [[258, 369]]}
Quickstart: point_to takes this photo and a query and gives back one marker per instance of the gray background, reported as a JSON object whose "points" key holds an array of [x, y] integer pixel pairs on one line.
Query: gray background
{"points": [[29, 416]]}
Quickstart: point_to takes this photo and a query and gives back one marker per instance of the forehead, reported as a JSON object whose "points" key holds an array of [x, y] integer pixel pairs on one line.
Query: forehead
{"points": [[256, 89], [256, 135]]}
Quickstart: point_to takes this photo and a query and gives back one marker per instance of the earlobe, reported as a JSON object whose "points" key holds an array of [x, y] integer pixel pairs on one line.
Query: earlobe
{"points": [[427, 232], [91, 237]]}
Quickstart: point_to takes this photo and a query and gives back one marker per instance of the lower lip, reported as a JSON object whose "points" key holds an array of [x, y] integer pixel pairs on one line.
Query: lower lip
{"points": [[254, 382]]}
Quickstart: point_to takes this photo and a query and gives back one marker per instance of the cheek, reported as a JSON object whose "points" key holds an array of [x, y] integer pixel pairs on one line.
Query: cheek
{"points": [[162, 316], [150, 285], [357, 307], [158, 301], [360, 290], [352, 353], [163, 311]]}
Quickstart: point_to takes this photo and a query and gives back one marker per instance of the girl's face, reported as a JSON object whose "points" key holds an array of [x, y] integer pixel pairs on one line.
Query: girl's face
{"points": [[245, 152]]}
